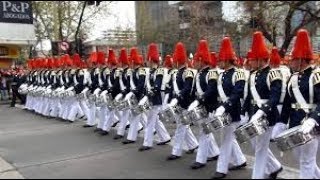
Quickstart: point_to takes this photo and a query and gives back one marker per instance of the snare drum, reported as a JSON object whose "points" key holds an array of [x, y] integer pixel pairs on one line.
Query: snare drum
{"points": [[170, 113], [221, 121], [250, 130], [198, 113], [292, 138]]}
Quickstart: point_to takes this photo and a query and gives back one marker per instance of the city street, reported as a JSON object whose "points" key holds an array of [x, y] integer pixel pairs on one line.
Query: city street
{"points": [[38, 147]]}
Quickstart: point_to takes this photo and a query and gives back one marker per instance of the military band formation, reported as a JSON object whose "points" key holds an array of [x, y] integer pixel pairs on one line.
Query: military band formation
{"points": [[258, 101]]}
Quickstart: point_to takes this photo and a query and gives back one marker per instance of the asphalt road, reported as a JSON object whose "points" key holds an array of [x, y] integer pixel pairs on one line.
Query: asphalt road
{"points": [[38, 147]]}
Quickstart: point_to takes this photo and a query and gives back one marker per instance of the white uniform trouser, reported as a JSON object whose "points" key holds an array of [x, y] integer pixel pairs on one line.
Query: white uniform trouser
{"points": [[307, 157], [136, 123], [153, 123], [42, 108], [183, 134], [46, 110], [63, 107], [264, 158], [103, 116], [91, 121], [74, 109], [28, 100], [124, 121], [112, 118], [230, 150], [54, 110], [208, 146], [84, 107]]}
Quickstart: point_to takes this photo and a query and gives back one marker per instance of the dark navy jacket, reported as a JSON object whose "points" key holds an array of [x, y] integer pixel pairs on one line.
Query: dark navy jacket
{"points": [[184, 80], [297, 115], [272, 95], [139, 76], [209, 98], [234, 92]]}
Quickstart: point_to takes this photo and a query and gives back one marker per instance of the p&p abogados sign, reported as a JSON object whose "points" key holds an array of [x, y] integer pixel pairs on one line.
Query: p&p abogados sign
{"points": [[16, 12]]}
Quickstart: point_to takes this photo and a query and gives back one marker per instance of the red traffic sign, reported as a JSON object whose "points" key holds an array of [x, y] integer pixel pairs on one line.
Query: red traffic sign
{"points": [[64, 46]]}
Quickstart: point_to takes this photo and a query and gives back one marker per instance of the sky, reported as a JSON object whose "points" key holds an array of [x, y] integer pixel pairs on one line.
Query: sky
{"points": [[123, 14]]}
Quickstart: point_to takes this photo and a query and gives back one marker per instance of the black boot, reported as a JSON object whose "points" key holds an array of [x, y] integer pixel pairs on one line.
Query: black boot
{"points": [[218, 175], [197, 165], [163, 143], [144, 148], [191, 151], [128, 142], [172, 157], [104, 133], [118, 137]]}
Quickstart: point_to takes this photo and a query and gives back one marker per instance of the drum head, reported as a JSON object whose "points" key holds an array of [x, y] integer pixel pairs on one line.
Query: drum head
{"points": [[289, 131]]}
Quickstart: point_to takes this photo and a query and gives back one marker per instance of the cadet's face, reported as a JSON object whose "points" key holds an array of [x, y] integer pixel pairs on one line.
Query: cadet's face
{"points": [[295, 65], [220, 64], [254, 64], [198, 65]]}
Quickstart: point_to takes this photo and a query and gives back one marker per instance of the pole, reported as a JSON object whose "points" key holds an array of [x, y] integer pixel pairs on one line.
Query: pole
{"points": [[79, 24]]}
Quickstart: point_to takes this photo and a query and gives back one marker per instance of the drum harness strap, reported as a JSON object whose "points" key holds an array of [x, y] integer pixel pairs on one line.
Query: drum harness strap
{"points": [[301, 102], [223, 97]]}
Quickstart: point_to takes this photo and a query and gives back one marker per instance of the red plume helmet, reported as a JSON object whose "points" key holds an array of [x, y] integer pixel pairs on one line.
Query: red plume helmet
{"points": [[203, 53], [302, 48], [259, 48], [112, 58], [275, 59], [93, 57], [250, 55], [123, 58], [226, 51], [168, 63], [180, 54], [135, 57], [153, 53], [100, 58], [213, 62]]}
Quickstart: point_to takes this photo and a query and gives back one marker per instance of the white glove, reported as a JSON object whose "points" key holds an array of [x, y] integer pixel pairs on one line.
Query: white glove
{"points": [[278, 129], [308, 125], [193, 105], [257, 115], [85, 90], [244, 119], [220, 111], [143, 100], [165, 99], [118, 97], [128, 96], [97, 91], [173, 102]]}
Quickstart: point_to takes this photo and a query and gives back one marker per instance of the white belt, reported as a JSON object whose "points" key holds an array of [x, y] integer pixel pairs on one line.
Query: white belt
{"points": [[303, 106], [259, 102]]}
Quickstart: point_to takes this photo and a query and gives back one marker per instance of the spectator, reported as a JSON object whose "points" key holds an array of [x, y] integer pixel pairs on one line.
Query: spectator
{"points": [[3, 87]]}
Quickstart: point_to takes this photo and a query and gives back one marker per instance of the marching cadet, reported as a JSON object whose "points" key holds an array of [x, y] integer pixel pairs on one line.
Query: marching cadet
{"points": [[168, 64], [124, 62], [156, 82], [266, 90], [57, 88], [114, 90], [104, 86], [137, 87], [230, 89], [49, 80], [75, 110], [206, 91], [93, 89], [183, 82], [302, 103]]}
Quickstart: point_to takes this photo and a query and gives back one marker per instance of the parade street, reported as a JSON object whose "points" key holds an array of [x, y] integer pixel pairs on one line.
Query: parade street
{"points": [[38, 147]]}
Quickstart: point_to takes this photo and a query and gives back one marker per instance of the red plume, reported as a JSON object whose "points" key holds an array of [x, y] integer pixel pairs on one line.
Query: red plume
{"points": [[259, 48], [135, 57], [93, 57], [302, 48], [100, 58], [226, 51], [123, 58], [203, 53], [168, 62], [112, 58], [275, 57], [213, 61], [153, 53], [180, 54]]}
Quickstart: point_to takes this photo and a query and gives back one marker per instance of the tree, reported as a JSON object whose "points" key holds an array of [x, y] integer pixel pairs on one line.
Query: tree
{"points": [[280, 19], [58, 20]]}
